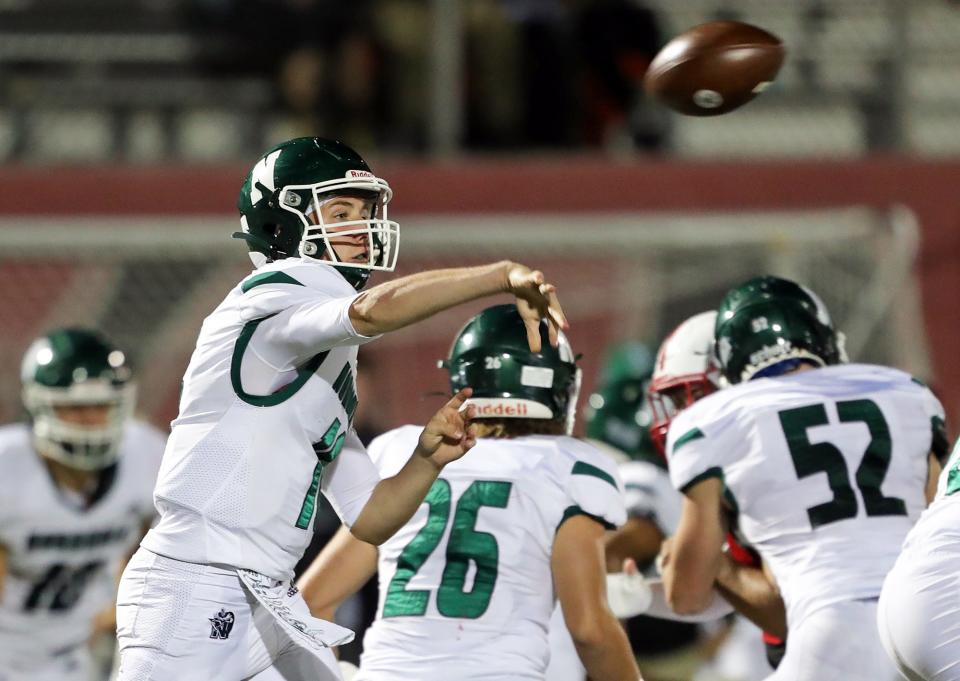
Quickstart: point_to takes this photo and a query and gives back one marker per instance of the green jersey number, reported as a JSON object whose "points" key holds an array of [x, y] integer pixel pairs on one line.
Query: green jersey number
{"points": [[60, 587], [953, 471], [823, 457], [326, 450], [465, 544]]}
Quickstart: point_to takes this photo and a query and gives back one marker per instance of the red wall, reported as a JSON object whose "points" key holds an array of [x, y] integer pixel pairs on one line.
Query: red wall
{"points": [[567, 184]]}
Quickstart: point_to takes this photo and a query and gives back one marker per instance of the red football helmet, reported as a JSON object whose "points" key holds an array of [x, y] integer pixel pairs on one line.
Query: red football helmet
{"points": [[684, 372]]}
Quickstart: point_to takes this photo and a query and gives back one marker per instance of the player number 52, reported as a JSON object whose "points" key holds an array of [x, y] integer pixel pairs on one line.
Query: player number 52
{"points": [[823, 457]]}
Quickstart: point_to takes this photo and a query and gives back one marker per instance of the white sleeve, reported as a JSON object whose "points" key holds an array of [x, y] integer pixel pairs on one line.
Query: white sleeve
{"points": [[301, 311], [298, 321], [595, 490], [348, 482], [151, 445], [313, 326], [390, 451], [641, 500], [650, 496], [693, 450]]}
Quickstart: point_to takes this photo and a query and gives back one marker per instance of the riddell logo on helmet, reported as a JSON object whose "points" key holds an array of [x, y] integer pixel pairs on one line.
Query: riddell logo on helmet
{"points": [[359, 173], [502, 409], [768, 352]]}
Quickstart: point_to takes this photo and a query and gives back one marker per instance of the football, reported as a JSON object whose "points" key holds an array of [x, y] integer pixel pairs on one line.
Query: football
{"points": [[714, 68]]}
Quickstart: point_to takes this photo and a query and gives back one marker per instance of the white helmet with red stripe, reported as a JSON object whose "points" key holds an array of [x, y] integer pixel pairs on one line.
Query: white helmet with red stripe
{"points": [[685, 371]]}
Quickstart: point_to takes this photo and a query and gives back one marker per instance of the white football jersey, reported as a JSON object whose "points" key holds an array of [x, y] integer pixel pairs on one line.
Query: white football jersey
{"points": [[939, 526], [265, 424], [825, 471], [648, 491], [650, 495], [63, 558], [466, 589]]}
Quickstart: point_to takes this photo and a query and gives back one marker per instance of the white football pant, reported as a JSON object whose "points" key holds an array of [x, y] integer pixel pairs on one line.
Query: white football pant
{"points": [[836, 643], [919, 615], [193, 622]]}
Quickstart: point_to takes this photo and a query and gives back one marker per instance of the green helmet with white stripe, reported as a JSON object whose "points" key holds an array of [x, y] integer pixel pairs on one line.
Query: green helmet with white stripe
{"points": [[76, 370], [280, 199], [491, 355], [768, 325]]}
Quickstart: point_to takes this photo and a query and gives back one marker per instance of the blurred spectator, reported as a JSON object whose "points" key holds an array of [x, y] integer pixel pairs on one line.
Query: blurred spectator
{"points": [[537, 73], [560, 73], [325, 59], [547, 68], [616, 41], [493, 86], [405, 27]]}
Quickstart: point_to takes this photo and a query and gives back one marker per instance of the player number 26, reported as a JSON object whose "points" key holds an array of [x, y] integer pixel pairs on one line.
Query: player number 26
{"points": [[464, 545]]}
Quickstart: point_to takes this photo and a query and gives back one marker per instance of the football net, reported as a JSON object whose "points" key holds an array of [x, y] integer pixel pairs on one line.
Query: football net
{"points": [[149, 282]]}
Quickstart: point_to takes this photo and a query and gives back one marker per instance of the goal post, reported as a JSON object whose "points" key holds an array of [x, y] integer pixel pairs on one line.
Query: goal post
{"points": [[148, 282]]}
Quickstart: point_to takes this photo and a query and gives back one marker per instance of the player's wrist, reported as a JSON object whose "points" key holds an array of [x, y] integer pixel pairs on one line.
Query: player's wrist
{"points": [[506, 269], [427, 456]]}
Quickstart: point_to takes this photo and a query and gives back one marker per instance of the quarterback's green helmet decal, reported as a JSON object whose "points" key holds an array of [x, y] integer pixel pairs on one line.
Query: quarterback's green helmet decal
{"points": [[618, 412], [281, 199], [69, 369], [491, 355], [769, 324]]}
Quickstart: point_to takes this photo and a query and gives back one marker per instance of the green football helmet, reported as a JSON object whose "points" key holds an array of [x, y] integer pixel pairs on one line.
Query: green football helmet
{"points": [[627, 361], [769, 325], [286, 188], [618, 412], [72, 368], [490, 354]]}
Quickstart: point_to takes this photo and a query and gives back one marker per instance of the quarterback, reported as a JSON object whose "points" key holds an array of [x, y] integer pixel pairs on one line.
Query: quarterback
{"points": [[468, 585], [76, 496], [823, 467], [265, 424]]}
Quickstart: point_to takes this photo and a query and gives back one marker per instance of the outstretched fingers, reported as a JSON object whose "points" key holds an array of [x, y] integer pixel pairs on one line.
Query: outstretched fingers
{"points": [[537, 300], [532, 325], [471, 439], [459, 416], [548, 308], [449, 430], [450, 433], [456, 417], [458, 400], [554, 311]]}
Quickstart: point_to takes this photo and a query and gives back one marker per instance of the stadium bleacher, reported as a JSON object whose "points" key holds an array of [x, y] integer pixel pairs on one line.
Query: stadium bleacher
{"points": [[861, 76]]}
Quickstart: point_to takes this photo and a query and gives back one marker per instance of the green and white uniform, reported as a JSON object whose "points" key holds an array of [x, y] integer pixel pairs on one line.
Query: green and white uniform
{"points": [[920, 604], [649, 495], [825, 471], [264, 426], [266, 405], [64, 554], [466, 589]]}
